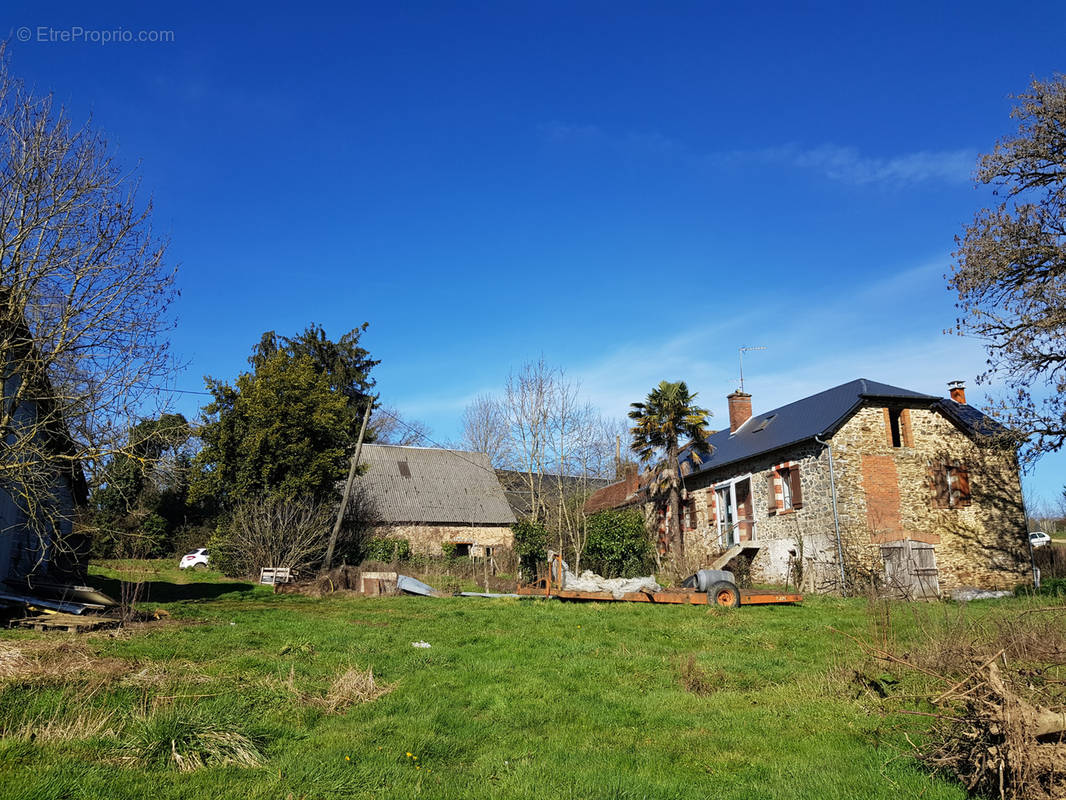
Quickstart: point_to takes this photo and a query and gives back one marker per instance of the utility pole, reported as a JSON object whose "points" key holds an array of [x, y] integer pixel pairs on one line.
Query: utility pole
{"points": [[327, 562]]}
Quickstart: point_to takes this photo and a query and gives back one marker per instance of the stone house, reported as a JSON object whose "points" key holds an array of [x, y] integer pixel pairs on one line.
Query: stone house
{"points": [[866, 483], [430, 496]]}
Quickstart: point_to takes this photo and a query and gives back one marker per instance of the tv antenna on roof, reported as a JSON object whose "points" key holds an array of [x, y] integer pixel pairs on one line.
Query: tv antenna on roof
{"points": [[741, 351]]}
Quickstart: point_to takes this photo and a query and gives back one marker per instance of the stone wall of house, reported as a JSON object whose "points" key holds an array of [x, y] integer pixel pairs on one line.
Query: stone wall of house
{"points": [[804, 535], [426, 539], [886, 494]]}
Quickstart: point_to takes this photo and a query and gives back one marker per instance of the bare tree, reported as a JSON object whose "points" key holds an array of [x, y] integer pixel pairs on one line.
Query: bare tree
{"points": [[84, 298], [486, 430], [391, 428], [527, 404], [275, 533], [1010, 270], [554, 440]]}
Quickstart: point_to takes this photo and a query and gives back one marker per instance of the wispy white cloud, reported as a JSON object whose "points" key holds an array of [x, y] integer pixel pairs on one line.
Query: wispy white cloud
{"points": [[813, 345], [849, 165], [870, 330], [833, 161], [566, 132]]}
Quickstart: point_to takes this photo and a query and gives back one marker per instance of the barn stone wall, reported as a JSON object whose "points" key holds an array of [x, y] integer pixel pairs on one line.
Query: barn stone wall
{"points": [[427, 539]]}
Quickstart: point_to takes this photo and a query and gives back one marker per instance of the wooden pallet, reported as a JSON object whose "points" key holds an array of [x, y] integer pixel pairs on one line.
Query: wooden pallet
{"points": [[71, 623]]}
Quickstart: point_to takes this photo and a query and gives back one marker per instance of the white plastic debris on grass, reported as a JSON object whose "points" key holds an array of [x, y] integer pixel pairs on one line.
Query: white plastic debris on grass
{"points": [[965, 594], [421, 644], [589, 581]]}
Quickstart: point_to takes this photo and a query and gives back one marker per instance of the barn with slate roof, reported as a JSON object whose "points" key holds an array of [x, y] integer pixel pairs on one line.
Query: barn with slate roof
{"points": [[862, 484], [431, 496]]}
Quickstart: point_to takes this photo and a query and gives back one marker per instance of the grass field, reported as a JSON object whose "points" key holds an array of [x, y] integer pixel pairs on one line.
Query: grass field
{"points": [[514, 699]]}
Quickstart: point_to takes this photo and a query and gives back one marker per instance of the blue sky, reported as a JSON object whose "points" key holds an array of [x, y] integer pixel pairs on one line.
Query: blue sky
{"points": [[632, 191]]}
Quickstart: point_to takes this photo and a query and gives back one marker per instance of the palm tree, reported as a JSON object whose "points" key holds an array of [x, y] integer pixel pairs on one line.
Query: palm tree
{"points": [[667, 415]]}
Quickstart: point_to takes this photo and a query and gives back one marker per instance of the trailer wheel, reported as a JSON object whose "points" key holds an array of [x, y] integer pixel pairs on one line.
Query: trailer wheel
{"points": [[724, 593]]}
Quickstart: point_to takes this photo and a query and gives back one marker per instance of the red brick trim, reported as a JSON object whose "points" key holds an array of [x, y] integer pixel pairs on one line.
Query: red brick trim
{"points": [[779, 493]]}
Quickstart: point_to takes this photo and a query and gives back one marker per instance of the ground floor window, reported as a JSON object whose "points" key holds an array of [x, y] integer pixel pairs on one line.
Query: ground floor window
{"points": [[784, 490]]}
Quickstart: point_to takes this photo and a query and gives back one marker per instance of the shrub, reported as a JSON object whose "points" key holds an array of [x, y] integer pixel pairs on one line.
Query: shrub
{"points": [[131, 536], [1051, 561], [530, 545], [272, 533], [1048, 586], [189, 537], [618, 543], [387, 550]]}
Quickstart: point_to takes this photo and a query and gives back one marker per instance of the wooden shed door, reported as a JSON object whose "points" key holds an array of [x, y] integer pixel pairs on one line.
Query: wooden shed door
{"points": [[910, 568]]}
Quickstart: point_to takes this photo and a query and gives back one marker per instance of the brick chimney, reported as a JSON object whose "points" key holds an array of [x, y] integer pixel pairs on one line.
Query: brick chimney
{"points": [[958, 391], [739, 409]]}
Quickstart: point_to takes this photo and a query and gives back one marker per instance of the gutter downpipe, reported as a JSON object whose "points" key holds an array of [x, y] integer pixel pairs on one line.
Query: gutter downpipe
{"points": [[836, 517]]}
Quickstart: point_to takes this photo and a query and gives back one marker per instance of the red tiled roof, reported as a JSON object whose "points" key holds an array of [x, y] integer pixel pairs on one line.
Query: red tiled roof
{"points": [[617, 495]]}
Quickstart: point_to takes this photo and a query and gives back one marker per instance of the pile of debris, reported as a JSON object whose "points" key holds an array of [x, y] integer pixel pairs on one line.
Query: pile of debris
{"points": [[997, 710], [352, 580], [343, 579], [998, 742], [589, 581]]}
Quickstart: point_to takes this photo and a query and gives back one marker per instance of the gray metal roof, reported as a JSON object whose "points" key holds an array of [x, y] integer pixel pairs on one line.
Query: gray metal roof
{"points": [[820, 415], [430, 485]]}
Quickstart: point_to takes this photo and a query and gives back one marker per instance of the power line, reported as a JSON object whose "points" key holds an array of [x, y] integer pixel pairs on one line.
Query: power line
{"points": [[426, 436], [420, 435], [179, 391]]}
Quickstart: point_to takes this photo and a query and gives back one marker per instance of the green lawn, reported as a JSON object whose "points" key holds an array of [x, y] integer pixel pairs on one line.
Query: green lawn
{"points": [[514, 699]]}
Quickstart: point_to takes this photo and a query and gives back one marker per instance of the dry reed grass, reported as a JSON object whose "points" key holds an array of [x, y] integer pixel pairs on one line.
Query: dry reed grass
{"points": [[351, 687], [993, 686], [693, 678], [59, 728], [56, 659]]}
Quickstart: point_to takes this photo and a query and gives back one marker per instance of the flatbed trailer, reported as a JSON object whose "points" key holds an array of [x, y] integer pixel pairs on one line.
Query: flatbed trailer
{"points": [[547, 587]]}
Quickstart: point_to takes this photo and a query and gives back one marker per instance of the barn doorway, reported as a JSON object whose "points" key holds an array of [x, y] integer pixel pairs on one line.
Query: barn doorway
{"points": [[910, 569]]}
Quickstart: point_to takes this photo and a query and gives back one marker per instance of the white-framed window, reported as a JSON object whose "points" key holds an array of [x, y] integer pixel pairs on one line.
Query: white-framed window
{"points": [[733, 503]]}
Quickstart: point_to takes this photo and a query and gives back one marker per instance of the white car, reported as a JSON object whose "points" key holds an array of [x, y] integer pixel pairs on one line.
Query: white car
{"points": [[197, 559], [1039, 539]]}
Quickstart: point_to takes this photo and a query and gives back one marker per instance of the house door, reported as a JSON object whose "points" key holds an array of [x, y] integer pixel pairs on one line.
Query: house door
{"points": [[910, 569], [727, 514], [735, 520]]}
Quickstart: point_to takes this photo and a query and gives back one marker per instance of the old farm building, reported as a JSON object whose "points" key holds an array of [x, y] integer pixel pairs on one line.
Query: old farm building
{"points": [[430, 496]]}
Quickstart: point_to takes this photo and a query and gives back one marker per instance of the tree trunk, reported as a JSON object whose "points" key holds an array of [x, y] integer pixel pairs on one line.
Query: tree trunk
{"points": [[673, 514]]}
